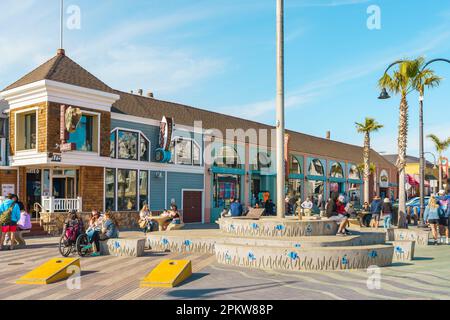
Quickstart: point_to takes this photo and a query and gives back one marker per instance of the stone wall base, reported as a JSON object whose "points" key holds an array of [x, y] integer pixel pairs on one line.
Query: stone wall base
{"points": [[53, 222]]}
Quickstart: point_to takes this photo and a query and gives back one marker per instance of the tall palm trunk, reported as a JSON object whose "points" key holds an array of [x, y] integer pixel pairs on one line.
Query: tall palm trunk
{"points": [[366, 173], [401, 161], [440, 171]]}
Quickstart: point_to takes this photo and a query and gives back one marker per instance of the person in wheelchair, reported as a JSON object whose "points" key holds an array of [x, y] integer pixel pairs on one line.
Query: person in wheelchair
{"points": [[73, 227]]}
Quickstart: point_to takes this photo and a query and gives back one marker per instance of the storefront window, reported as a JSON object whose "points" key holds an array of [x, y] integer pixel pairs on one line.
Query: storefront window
{"points": [[26, 131], [46, 183], [315, 190], [316, 168], [2, 151], [354, 173], [294, 188], [143, 188], [85, 135], [226, 187], [110, 189], [354, 193], [145, 149], [295, 166], [127, 190], [336, 170], [227, 157], [128, 145], [113, 145], [185, 151]]}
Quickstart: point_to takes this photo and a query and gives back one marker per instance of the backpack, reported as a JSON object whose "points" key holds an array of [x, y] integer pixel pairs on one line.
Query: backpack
{"points": [[5, 218]]}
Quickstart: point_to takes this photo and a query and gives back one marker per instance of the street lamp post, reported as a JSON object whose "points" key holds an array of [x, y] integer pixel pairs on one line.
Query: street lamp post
{"points": [[384, 95], [280, 111]]}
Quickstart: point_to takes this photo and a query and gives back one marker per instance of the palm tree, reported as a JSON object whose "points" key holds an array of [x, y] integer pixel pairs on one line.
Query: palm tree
{"points": [[369, 126], [409, 77], [441, 146]]}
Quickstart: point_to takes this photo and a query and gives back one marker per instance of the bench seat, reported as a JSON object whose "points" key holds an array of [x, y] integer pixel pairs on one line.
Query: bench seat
{"points": [[123, 247], [403, 250]]}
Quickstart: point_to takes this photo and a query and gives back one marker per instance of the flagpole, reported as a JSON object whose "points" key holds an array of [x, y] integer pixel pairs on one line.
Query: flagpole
{"points": [[61, 39], [280, 111]]}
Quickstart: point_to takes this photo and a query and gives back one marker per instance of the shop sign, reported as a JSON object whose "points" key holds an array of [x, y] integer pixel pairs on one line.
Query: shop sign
{"points": [[55, 157], [64, 147], [7, 189]]}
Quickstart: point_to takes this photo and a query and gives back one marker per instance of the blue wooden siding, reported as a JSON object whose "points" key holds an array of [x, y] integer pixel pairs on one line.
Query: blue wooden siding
{"points": [[177, 181], [157, 191]]}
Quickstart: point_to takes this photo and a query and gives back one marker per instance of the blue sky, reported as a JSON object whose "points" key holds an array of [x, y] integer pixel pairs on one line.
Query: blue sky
{"points": [[220, 55]]}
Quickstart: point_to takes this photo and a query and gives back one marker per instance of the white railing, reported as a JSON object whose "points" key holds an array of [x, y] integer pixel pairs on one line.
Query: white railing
{"points": [[51, 204]]}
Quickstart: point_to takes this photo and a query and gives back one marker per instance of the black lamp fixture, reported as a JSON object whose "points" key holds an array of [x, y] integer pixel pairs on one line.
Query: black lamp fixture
{"points": [[384, 94]]}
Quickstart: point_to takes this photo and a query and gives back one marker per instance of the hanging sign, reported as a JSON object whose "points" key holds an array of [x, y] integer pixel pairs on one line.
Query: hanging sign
{"points": [[165, 133], [384, 179], [8, 189]]}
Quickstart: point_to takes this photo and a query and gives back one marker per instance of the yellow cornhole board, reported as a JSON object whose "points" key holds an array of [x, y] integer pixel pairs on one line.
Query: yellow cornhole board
{"points": [[52, 271], [168, 274]]}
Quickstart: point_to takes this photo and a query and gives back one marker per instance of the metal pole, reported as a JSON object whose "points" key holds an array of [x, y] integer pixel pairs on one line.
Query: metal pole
{"points": [[280, 111], [61, 39], [422, 159]]}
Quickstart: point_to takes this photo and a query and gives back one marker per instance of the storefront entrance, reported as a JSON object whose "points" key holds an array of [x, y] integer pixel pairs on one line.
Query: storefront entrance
{"points": [[192, 206], [33, 188]]}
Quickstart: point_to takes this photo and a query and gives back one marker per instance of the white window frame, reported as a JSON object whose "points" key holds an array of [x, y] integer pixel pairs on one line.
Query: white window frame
{"points": [[140, 133], [20, 112], [175, 142]]}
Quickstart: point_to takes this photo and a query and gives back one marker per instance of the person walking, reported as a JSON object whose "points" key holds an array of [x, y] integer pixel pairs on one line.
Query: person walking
{"points": [[375, 210], [432, 216], [386, 213], [9, 216]]}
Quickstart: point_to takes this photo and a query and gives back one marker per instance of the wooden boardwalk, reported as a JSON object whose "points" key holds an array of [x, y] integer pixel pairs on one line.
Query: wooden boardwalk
{"points": [[105, 278]]}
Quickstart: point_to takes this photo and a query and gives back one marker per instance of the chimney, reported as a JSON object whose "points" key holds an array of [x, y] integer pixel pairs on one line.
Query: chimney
{"points": [[140, 92], [150, 94], [328, 136], [131, 91], [61, 52]]}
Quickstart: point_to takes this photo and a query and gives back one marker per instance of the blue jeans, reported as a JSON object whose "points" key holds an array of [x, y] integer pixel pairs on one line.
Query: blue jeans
{"points": [[387, 221]]}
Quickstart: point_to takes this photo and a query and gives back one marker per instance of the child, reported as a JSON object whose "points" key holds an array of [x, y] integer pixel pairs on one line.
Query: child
{"points": [[386, 213]]}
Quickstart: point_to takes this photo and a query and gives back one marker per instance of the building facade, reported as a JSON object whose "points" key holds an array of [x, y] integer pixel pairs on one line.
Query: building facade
{"points": [[71, 142]]}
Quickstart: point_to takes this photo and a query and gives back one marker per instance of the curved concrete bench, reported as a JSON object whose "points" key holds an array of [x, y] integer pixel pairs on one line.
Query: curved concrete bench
{"points": [[324, 258], [123, 247], [403, 250], [204, 241], [273, 227], [421, 237]]}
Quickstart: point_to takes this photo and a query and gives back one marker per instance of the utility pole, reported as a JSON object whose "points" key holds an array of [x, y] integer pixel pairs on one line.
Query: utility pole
{"points": [[280, 111]]}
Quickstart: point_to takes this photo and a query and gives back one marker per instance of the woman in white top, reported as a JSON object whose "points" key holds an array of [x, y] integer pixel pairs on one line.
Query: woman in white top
{"points": [[145, 218]]}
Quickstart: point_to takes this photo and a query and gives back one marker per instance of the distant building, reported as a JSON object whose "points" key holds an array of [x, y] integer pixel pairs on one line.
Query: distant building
{"points": [[412, 171], [113, 159]]}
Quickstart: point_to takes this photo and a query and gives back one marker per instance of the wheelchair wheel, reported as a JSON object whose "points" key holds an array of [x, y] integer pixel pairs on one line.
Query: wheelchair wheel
{"points": [[82, 242], [65, 247]]}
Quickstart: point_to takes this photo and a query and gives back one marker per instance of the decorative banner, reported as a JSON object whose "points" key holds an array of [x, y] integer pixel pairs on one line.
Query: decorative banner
{"points": [[286, 155], [444, 165], [384, 179], [63, 134], [165, 133]]}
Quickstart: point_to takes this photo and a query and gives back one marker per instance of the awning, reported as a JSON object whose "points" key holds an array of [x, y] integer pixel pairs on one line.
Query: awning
{"points": [[412, 181]]}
